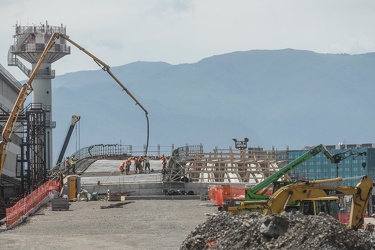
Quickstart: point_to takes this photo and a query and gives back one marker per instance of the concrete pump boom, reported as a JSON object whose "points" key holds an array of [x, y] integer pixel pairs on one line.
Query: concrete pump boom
{"points": [[27, 89]]}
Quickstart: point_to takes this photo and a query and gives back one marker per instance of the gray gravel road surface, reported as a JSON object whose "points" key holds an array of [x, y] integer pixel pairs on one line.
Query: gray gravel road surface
{"points": [[143, 224]]}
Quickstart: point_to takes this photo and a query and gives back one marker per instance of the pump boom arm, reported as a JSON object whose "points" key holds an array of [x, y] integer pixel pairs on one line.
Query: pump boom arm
{"points": [[27, 89]]}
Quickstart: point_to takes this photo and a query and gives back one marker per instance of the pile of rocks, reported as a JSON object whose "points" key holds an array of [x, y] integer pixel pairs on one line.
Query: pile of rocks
{"points": [[283, 231]]}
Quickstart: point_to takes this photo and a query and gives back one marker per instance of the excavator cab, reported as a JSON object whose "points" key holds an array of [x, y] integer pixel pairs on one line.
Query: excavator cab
{"points": [[315, 206]]}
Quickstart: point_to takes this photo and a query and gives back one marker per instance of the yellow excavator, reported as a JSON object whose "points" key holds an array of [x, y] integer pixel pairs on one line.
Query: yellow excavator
{"points": [[27, 89], [314, 197]]}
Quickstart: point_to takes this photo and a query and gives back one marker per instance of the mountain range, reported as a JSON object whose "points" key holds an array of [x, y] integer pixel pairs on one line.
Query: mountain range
{"points": [[276, 98]]}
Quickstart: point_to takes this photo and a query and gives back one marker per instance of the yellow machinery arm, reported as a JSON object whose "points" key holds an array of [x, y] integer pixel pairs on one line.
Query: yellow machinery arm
{"points": [[312, 189], [27, 89]]}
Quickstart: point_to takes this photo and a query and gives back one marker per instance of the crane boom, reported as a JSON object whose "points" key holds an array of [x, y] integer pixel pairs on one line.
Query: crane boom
{"points": [[27, 89]]}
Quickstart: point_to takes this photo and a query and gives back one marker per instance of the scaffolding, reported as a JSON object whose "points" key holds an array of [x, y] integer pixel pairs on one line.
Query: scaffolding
{"points": [[191, 164]]}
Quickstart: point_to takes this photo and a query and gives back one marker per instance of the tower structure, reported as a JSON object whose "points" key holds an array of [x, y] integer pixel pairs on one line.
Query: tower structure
{"points": [[29, 44]]}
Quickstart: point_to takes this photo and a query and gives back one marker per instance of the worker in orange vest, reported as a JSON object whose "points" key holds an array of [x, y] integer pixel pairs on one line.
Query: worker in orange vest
{"points": [[164, 161], [121, 167], [67, 164]]}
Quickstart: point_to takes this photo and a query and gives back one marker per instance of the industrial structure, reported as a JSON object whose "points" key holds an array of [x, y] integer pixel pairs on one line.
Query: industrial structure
{"points": [[252, 165], [9, 89], [29, 44], [224, 165], [41, 46]]}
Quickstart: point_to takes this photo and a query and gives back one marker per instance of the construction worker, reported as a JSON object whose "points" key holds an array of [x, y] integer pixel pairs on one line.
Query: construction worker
{"points": [[67, 164], [164, 161], [121, 167], [140, 164], [73, 163], [147, 164], [127, 165], [136, 164]]}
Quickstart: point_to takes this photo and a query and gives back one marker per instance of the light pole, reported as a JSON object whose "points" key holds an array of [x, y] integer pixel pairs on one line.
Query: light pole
{"points": [[240, 144]]}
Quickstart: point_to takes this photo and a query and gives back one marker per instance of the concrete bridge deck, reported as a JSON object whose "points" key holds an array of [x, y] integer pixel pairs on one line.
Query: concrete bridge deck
{"points": [[103, 175], [107, 171]]}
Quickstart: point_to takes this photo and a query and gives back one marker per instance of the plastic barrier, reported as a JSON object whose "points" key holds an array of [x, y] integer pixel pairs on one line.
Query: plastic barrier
{"points": [[219, 193], [212, 193], [25, 205], [344, 218]]}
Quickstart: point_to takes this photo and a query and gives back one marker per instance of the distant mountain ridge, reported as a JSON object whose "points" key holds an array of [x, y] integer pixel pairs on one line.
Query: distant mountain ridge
{"points": [[274, 97]]}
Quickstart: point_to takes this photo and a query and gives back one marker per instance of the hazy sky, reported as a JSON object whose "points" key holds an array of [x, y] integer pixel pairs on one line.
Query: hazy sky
{"points": [[182, 31]]}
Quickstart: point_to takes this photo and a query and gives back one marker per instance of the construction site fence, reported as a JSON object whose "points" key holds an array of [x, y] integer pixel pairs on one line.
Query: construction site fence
{"points": [[27, 204], [219, 193], [344, 217]]}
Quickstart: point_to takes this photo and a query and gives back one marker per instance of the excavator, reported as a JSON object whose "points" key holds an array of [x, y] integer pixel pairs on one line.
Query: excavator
{"points": [[27, 89], [316, 197], [253, 194]]}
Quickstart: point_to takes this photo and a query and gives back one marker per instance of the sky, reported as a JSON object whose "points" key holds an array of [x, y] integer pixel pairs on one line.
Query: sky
{"points": [[185, 31]]}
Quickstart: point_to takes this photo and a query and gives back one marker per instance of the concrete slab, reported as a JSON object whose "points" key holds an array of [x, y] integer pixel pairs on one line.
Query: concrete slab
{"points": [[104, 175], [112, 166], [107, 171]]}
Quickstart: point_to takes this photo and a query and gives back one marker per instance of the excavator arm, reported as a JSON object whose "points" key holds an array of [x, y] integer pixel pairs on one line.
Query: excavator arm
{"points": [[315, 189], [27, 89]]}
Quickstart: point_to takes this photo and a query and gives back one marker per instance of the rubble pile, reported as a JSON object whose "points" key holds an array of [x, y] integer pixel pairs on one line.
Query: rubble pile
{"points": [[282, 231]]}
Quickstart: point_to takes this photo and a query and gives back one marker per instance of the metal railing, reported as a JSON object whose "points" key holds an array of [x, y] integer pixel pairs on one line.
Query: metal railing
{"points": [[14, 61], [101, 151], [10, 78]]}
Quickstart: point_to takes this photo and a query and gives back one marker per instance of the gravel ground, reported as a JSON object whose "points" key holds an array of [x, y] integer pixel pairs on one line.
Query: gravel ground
{"points": [[285, 231], [144, 224]]}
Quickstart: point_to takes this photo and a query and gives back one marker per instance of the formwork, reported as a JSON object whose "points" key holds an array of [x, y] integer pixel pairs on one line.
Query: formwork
{"points": [[224, 166]]}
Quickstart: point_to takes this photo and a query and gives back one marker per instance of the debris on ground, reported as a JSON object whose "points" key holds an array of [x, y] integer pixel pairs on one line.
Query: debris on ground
{"points": [[117, 195], [282, 231], [117, 205]]}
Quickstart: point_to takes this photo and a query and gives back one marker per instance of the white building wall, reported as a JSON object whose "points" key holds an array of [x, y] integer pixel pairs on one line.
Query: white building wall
{"points": [[9, 89]]}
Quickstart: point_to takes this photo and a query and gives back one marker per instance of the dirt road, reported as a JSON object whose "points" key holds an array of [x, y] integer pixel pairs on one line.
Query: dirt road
{"points": [[144, 224]]}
